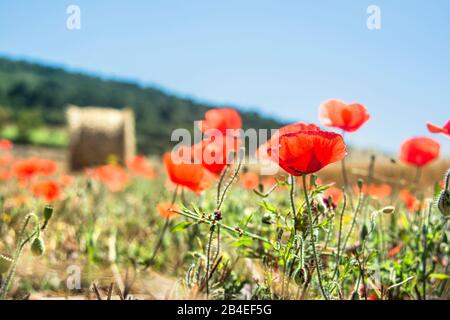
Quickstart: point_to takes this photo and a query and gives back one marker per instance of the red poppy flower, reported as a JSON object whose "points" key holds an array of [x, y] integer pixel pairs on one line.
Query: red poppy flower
{"points": [[419, 151], [268, 182], [66, 180], [26, 169], [186, 173], [221, 119], [263, 150], [215, 152], [5, 145], [306, 151], [140, 166], [5, 175], [5, 159], [394, 251], [46, 167], [166, 209], [249, 180], [338, 114], [410, 201], [112, 176], [48, 190], [436, 129]]}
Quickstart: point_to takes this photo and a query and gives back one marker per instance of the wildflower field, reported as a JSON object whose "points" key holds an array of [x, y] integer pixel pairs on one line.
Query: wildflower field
{"points": [[319, 227]]}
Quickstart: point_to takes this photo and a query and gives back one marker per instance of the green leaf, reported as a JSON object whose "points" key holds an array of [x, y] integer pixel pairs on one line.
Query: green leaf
{"points": [[439, 276], [181, 226], [244, 223], [243, 241], [321, 188], [269, 207]]}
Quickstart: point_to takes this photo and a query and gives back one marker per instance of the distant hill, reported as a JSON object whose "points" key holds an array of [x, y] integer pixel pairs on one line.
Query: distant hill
{"points": [[47, 90]]}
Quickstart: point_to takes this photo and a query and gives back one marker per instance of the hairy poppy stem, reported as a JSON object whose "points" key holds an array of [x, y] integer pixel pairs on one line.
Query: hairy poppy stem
{"points": [[338, 253], [425, 252], [313, 244], [208, 262], [219, 184], [345, 178], [20, 244], [230, 182], [158, 245], [355, 215], [292, 197], [235, 230]]}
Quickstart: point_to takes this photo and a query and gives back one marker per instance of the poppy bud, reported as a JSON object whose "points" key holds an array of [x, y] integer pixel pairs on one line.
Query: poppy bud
{"points": [[48, 212], [267, 219], [38, 247], [443, 248], [364, 232], [5, 263], [217, 215], [260, 187], [360, 183], [443, 203], [388, 210]]}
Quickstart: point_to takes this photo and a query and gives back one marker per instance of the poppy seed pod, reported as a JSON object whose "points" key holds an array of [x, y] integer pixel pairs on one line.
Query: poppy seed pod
{"points": [[5, 263], [38, 247], [360, 183], [364, 232], [443, 203]]}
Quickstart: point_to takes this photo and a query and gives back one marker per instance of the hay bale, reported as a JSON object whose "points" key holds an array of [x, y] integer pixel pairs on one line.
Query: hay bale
{"points": [[97, 134]]}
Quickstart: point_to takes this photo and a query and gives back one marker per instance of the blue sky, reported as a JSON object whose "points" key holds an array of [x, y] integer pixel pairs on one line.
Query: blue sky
{"points": [[281, 58]]}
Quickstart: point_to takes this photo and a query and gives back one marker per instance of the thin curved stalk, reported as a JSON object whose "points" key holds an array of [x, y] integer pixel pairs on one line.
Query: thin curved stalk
{"points": [[338, 254], [355, 215], [188, 214], [20, 244], [150, 261], [211, 233], [228, 185]]}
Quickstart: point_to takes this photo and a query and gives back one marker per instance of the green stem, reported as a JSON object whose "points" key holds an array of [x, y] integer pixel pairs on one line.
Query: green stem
{"points": [[19, 248], [292, 198], [345, 178], [338, 254], [211, 233], [311, 231], [188, 214], [355, 215], [158, 245], [228, 185], [219, 184]]}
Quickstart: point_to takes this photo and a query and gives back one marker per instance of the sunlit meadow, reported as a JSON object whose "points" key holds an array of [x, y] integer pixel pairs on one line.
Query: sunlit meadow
{"points": [[327, 225]]}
